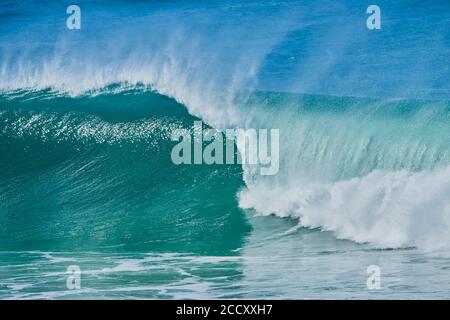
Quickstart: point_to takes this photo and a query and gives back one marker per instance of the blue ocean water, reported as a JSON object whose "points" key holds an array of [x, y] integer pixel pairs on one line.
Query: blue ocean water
{"points": [[86, 177]]}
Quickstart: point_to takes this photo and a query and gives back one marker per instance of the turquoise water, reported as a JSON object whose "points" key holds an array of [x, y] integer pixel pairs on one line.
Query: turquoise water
{"points": [[86, 177], [88, 181]]}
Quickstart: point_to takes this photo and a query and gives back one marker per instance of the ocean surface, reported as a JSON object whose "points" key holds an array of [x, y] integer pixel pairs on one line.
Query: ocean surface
{"points": [[87, 180]]}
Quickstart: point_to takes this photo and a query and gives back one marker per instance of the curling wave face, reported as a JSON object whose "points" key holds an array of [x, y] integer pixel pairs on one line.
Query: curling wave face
{"points": [[95, 173]]}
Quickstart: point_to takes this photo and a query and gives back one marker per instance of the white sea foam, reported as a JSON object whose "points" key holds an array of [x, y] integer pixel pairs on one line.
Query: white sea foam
{"points": [[387, 209]]}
